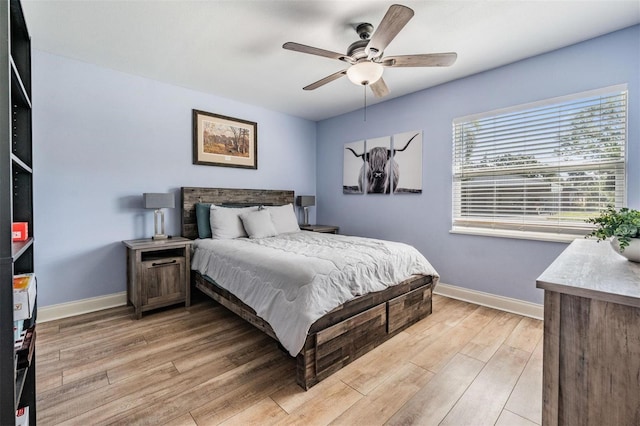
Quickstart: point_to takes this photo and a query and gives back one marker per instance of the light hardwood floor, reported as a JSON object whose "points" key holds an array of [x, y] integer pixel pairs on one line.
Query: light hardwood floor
{"points": [[463, 365]]}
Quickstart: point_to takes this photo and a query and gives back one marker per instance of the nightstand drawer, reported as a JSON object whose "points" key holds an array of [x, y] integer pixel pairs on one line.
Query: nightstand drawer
{"points": [[162, 281]]}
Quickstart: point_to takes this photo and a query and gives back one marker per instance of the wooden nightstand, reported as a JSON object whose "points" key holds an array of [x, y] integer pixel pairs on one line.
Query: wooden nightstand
{"points": [[158, 273], [327, 229]]}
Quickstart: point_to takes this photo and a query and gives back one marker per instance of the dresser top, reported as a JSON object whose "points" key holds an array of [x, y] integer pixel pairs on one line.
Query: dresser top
{"points": [[592, 269]]}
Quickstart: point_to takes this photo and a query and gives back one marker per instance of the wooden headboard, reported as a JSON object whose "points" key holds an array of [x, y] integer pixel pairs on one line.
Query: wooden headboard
{"points": [[225, 196]]}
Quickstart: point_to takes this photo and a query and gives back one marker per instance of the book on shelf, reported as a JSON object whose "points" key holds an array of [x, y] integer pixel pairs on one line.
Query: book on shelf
{"points": [[20, 231], [17, 343], [24, 296], [18, 327], [22, 416], [26, 348]]}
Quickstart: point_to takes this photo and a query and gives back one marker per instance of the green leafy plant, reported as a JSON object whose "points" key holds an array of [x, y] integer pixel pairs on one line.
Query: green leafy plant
{"points": [[623, 224]]}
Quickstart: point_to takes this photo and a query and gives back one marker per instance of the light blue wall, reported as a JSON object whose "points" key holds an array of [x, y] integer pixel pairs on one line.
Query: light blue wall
{"points": [[102, 138], [501, 266]]}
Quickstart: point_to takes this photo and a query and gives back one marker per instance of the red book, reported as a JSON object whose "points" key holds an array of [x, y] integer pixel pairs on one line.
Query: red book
{"points": [[20, 231]]}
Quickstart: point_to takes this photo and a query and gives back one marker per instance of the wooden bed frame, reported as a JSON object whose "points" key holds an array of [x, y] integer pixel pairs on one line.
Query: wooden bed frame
{"points": [[342, 335]]}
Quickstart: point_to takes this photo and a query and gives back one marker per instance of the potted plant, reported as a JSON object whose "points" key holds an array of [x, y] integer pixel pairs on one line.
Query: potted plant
{"points": [[624, 226]]}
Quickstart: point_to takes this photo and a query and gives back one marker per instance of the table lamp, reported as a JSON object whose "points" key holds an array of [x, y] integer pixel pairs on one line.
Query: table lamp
{"points": [[306, 201], [158, 201]]}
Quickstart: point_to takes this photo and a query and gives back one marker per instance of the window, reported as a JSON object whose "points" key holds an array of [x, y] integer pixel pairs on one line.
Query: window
{"points": [[539, 170]]}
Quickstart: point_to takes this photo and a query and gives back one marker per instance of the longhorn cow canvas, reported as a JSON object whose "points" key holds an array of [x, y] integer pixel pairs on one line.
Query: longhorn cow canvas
{"points": [[407, 159], [352, 167], [389, 164], [374, 168], [377, 168]]}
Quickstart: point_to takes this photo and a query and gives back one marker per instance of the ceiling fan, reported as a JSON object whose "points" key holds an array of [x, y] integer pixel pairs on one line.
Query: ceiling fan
{"points": [[365, 55]]}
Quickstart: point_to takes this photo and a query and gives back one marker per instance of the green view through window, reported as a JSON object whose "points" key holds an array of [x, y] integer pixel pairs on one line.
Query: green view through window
{"points": [[540, 168]]}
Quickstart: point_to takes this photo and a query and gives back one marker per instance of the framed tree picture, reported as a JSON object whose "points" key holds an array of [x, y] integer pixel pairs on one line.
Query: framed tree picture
{"points": [[219, 140]]}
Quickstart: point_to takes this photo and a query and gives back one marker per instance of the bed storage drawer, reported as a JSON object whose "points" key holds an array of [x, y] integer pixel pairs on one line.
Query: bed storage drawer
{"points": [[340, 344], [409, 308]]}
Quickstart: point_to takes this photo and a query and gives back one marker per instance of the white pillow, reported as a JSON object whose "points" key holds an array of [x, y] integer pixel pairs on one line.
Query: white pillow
{"points": [[258, 224], [283, 218], [226, 223]]}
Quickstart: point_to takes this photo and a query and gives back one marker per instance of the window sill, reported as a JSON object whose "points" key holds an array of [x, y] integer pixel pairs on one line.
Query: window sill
{"points": [[521, 235]]}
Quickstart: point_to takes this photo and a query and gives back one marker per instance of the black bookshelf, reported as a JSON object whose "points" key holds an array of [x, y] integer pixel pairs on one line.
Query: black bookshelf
{"points": [[17, 381]]}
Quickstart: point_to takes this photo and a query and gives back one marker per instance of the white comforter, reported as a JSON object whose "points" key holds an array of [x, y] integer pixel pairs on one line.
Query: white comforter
{"points": [[293, 279]]}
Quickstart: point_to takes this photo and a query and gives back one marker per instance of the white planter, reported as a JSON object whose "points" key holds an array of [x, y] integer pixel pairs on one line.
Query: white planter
{"points": [[632, 252]]}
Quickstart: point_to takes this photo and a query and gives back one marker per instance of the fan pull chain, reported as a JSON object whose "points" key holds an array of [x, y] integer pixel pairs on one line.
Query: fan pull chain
{"points": [[365, 101]]}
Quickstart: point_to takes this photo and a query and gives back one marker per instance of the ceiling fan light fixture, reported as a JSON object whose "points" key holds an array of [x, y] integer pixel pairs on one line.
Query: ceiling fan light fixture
{"points": [[366, 55], [364, 73]]}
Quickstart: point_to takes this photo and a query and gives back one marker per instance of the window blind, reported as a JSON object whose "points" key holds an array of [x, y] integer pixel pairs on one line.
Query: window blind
{"points": [[543, 167]]}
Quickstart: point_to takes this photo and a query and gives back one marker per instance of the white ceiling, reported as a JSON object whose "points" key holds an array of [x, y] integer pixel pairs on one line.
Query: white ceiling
{"points": [[234, 49]]}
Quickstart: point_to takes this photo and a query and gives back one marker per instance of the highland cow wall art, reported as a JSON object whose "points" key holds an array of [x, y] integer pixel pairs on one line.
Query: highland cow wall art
{"points": [[390, 164], [352, 168]]}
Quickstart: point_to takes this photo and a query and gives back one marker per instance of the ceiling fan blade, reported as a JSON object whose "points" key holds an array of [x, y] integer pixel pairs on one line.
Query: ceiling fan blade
{"points": [[426, 60], [297, 47], [379, 88], [396, 18], [327, 79]]}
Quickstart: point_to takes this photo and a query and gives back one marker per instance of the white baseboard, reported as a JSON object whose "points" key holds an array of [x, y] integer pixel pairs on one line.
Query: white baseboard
{"points": [[84, 306], [520, 307]]}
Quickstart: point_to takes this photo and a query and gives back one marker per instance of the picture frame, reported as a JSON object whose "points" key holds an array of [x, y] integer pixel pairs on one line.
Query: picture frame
{"points": [[224, 141]]}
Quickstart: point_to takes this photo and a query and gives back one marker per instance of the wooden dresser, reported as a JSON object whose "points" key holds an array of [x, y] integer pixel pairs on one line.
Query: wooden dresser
{"points": [[591, 367]]}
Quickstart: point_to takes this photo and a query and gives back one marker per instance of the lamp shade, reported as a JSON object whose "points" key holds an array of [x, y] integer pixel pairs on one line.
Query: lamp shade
{"points": [[306, 200], [158, 200], [364, 73]]}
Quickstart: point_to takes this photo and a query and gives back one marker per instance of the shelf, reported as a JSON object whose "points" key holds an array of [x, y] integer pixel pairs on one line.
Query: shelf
{"points": [[156, 255], [20, 44], [19, 248], [18, 162], [17, 87]]}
